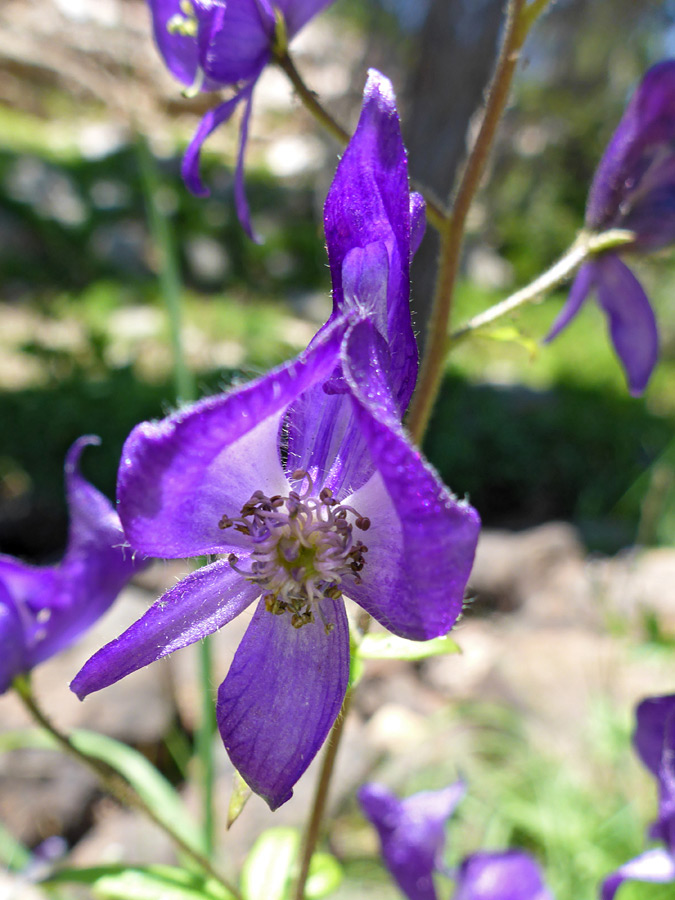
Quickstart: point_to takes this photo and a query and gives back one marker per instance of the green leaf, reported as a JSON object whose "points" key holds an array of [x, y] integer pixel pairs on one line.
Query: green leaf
{"points": [[240, 794], [119, 882], [388, 646], [134, 768], [325, 875], [269, 866], [13, 854]]}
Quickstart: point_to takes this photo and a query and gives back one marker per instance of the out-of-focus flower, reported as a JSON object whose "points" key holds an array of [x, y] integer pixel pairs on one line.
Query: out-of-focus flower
{"points": [[306, 484], [509, 875], [412, 833], [633, 189], [412, 838], [654, 741], [44, 609], [213, 44]]}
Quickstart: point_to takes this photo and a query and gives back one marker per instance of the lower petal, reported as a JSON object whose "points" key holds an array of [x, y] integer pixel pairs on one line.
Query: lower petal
{"points": [[213, 118], [655, 866], [196, 607], [509, 875], [281, 696], [240, 201], [12, 644], [631, 320], [581, 287]]}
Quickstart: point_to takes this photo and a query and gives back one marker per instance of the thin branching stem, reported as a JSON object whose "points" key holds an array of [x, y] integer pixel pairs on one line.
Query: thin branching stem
{"points": [[431, 372], [313, 827], [113, 783]]}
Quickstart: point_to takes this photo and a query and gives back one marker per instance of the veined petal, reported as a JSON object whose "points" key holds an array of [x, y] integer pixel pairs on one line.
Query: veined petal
{"points": [[581, 287], [13, 659], [369, 201], [422, 540], [213, 118], [236, 44], [196, 607], [643, 137], [178, 477], [281, 696], [631, 320], [510, 875], [655, 866], [411, 832], [298, 12]]}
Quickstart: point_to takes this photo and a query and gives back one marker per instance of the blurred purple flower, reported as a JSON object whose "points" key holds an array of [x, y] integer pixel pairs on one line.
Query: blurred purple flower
{"points": [[412, 833], [412, 838], [212, 44], [305, 482], [44, 609], [654, 741], [633, 189]]}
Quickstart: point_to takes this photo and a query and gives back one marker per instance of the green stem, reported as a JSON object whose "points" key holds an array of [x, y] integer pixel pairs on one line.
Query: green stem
{"points": [[170, 282], [204, 744], [112, 782], [184, 385], [435, 213], [431, 371], [313, 827], [585, 246]]}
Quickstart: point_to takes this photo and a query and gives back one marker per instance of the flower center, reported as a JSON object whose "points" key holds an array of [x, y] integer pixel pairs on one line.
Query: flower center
{"points": [[185, 22], [303, 546]]}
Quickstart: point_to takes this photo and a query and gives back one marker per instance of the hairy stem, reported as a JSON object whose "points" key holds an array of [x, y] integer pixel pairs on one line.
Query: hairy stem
{"points": [[431, 372], [585, 246], [112, 782], [435, 213], [313, 826], [204, 745]]}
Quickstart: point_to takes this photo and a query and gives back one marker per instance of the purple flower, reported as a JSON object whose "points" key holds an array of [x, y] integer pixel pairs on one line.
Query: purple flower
{"points": [[654, 741], [306, 485], [412, 833], [412, 837], [633, 189], [43, 609], [212, 44]]}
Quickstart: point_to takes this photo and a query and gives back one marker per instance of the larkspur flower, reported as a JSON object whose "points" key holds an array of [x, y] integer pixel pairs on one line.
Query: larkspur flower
{"points": [[44, 609], [633, 189], [654, 741], [412, 838], [306, 485], [212, 44]]}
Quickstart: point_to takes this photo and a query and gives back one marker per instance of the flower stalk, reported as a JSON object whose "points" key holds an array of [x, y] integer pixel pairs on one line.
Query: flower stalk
{"points": [[431, 372], [585, 246], [111, 781]]}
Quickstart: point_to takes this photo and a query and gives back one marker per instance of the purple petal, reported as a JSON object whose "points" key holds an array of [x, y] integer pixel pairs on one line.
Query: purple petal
{"points": [[643, 139], [422, 540], [281, 696], [510, 875], [412, 833], [240, 201], [196, 607], [631, 320], [13, 658], [234, 39], [581, 287], [369, 201], [365, 275], [179, 51], [178, 477], [58, 603], [213, 118], [652, 715], [655, 866], [298, 12]]}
